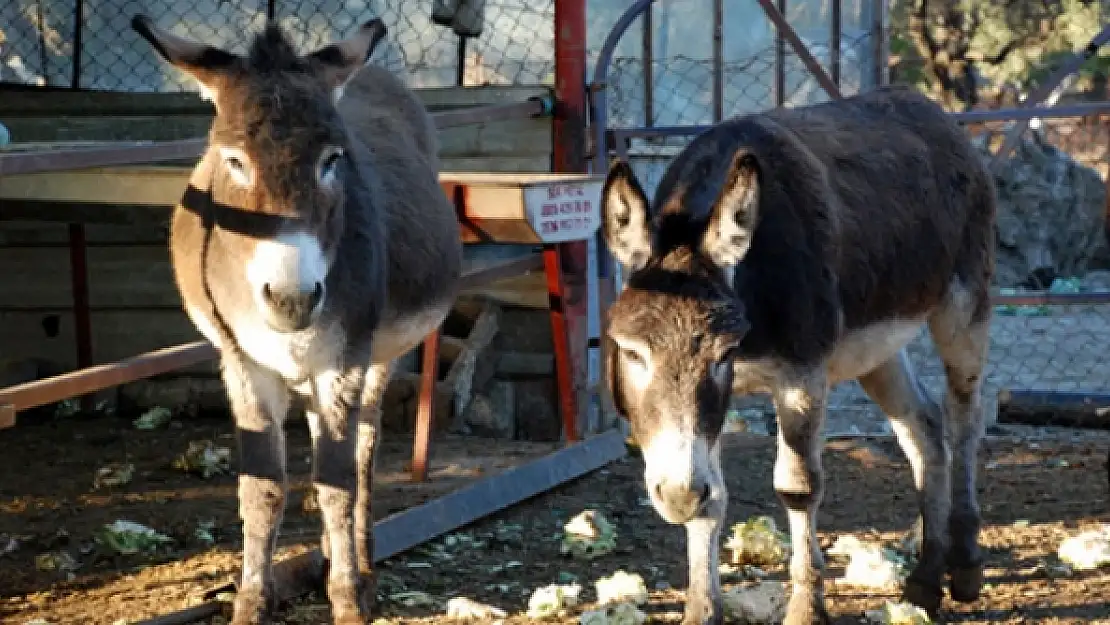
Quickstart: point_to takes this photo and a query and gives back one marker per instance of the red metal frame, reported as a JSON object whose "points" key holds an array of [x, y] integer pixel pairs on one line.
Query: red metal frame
{"points": [[567, 263]]}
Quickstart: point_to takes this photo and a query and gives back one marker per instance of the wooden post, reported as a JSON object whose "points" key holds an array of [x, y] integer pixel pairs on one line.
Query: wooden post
{"points": [[425, 410]]}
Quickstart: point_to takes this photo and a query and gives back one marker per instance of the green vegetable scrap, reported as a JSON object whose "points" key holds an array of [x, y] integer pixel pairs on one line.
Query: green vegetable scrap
{"points": [[153, 419], [757, 542], [204, 459], [552, 600], [902, 613], [113, 475], [588, 535], [128, 537], [621, 587], [615, 614]]}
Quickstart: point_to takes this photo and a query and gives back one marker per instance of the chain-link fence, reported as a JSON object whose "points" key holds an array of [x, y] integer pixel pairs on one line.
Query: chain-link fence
{"points": [[511, 42]]}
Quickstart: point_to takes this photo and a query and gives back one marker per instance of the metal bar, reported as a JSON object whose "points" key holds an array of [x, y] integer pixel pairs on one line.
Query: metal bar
{"points": [[1045, 89], [75, 383], [271, 10], [599, 116], [141, 152], [811, 63], [966, 117], [79, 290], [1048, 112], [780, 61], [78, 32], [460, 62], [400, 532], [648, 44], [425, 410], [572, 257], [881, 42], [834, 42], [718, 61], [564, 368]]}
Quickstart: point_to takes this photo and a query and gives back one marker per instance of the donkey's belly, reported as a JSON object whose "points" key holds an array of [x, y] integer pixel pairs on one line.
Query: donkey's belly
{"points": [[863, 349], [398, 334]]}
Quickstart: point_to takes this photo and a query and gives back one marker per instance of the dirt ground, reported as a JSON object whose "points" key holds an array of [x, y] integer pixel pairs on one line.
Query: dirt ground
{"points": [[1033, 494]]}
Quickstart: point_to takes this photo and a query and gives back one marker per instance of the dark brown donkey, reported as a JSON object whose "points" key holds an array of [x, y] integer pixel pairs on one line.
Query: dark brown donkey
{"points": [[785, 252], [313, 247]]}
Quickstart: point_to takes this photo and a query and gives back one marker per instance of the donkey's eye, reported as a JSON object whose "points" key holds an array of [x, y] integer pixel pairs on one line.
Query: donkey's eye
{"points": [[634, 358], [236, 166], [328, 166]]}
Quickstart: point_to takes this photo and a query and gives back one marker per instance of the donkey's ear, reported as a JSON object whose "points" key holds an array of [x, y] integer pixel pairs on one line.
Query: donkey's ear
{"points": [[729, 234], [341, 60], [624, 217], [206, 64]]}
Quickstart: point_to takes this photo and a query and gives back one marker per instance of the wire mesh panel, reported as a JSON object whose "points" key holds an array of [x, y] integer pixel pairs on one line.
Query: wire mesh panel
{"points": [[511, 41]]}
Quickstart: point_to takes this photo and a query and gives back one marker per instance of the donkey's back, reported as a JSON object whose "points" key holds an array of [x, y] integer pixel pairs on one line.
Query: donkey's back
{"points": [[425, 252]]}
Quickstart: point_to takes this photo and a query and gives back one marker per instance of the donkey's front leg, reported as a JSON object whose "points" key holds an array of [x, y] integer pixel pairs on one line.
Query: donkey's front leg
{"points": [[337, 400], [259, 400], [799, 481], [704, 604]]}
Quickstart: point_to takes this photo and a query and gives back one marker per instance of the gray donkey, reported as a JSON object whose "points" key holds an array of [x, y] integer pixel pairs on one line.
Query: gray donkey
{"points": [[785, 252], [313, 246]]}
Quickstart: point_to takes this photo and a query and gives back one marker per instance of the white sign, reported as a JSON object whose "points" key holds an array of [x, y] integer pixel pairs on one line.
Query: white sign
{"points": [[564, 211]]}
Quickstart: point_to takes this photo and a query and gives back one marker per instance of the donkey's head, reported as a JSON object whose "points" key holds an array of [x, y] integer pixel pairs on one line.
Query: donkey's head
{"points": [[675, 329], [277, 157]]}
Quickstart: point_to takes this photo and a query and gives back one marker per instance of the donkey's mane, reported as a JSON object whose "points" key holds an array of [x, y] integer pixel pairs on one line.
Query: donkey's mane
{"points": [[271, 51]]}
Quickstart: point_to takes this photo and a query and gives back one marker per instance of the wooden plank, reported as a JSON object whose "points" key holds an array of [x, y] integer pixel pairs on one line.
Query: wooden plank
{"points": [[116, 334], [505, 163], [114, 128], [47, 103], [92, 103], [519, 136], [55, 235], [120, 277], [511, 137]]}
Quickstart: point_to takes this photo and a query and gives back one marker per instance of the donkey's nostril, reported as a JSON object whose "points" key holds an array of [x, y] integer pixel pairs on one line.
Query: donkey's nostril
{"points": [[705, 494], [267, 294], [317, 295]]}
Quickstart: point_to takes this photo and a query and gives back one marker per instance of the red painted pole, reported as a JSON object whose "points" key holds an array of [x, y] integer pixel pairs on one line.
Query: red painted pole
{"points": [[568, 290]]}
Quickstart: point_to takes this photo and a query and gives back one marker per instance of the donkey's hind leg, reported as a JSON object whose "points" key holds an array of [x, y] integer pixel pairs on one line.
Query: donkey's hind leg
{"points": [[961, 332], [259, 400], [369, 428], [919, 425]]}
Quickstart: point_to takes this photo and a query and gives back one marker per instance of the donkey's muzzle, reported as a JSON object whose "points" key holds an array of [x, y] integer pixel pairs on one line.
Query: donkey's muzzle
{"points": [[288, 310], [680, 501]]}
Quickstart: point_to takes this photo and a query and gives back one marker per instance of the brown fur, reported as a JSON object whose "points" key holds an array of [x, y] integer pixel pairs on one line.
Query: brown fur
{"points": [[777, 248]]}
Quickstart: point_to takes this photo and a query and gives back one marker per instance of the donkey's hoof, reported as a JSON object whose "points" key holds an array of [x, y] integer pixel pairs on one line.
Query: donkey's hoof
{"points": [[704, 612], [925, 596], [965, 583], [252, 609], [806, 611]]}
